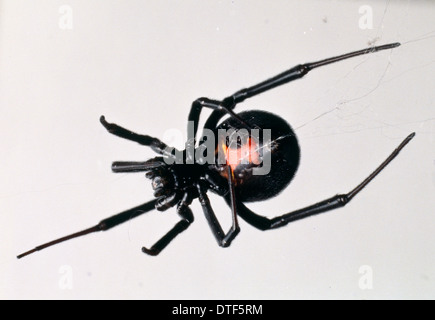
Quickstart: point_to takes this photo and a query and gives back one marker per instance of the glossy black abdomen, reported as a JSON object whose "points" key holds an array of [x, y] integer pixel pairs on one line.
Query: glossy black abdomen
{"points": [[282, 149]]}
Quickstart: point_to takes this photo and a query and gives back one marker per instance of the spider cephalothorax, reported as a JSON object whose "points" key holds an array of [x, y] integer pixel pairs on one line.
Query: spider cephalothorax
{"points": [[256, 165], [171, 181]]}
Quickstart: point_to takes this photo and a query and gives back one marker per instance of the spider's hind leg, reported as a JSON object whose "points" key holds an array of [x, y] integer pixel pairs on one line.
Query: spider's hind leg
{"points": [[223, 239], [337, 201]]}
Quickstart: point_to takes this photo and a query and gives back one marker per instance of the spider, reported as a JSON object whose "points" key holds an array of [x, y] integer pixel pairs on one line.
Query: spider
{"points": [[177, 184]]}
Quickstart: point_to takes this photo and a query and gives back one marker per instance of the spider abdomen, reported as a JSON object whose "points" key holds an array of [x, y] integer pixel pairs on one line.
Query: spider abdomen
{"points": [[263, 162]]}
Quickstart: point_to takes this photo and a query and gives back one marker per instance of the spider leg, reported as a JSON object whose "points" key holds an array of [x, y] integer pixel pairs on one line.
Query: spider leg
{"points": [[222, 107], [301, 70], [186, 215], [103, 225], [224, 240], [133, 166], [334, 202], [155, 144], [294, 73]]}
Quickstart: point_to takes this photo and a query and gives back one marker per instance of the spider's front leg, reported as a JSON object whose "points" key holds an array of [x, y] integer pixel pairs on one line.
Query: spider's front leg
{"points": [[145, 140], [103, 225]]}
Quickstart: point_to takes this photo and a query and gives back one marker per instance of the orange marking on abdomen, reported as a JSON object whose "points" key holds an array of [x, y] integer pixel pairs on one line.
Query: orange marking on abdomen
{"points": [[248, 153]]}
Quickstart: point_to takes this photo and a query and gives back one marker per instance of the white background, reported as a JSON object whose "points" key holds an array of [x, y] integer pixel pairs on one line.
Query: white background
{"points": [[141, 64]]}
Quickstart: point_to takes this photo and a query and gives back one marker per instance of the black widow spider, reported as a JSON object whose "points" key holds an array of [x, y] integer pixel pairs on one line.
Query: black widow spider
{"points": [[178, 184]]}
